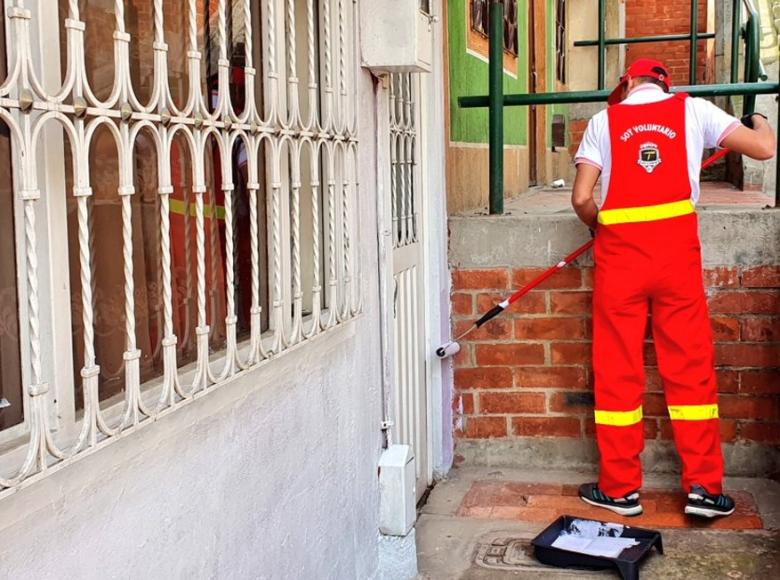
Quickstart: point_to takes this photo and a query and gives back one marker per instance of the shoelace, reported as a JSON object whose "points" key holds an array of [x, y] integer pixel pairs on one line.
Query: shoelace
{"points": [[600, 496], [717, 500]]}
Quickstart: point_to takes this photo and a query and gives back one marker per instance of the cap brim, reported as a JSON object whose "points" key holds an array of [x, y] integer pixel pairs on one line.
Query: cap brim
{"points": [[617, 95]]}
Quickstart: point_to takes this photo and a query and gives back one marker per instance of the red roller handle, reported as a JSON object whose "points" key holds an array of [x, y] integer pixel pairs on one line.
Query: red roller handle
{"points": [[549, 272], [714, 157], [499, 308]]}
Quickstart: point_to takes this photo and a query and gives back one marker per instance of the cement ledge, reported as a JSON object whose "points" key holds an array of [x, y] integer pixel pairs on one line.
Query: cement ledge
{"points": [[734, 237], [741, 459]]}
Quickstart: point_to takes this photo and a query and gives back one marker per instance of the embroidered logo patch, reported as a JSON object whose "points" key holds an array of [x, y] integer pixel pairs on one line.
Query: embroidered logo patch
{"points": [[649, 157]]}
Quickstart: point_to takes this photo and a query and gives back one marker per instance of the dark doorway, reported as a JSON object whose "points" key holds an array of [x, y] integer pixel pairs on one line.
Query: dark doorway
{"points": [[533, 87], [536, 84]]}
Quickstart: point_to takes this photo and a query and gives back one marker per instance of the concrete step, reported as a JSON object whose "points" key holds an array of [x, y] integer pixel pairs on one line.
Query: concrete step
{"points": [[730, 235], [546, 200]]}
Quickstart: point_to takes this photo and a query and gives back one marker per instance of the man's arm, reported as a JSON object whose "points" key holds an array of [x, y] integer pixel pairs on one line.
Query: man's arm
{"points": [[582, 194], [758, 142]]}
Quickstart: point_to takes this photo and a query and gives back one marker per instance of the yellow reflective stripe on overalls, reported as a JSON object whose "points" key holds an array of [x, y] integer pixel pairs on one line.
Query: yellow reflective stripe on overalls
{"points": [[693, 412], [646, 214], [178, 206], [619, 418]]}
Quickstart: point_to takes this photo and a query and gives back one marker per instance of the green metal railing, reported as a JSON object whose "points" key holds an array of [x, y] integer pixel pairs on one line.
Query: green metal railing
{"points": [[522, 100], [496, 100], [496, 105]]}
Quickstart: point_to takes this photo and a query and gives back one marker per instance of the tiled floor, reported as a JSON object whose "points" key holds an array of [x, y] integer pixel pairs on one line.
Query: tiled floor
{"points": [[540, 502]]}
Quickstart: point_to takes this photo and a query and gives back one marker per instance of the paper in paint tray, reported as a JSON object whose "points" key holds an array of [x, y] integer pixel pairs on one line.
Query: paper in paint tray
{"points": [[594, 539]]}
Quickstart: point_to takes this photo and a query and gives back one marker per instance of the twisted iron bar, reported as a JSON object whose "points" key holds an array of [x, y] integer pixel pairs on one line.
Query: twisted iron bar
{"points": [[79, 112]]}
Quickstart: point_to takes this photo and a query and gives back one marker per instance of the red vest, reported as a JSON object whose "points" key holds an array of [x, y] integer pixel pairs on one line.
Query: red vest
{"points": [[649, 157]]}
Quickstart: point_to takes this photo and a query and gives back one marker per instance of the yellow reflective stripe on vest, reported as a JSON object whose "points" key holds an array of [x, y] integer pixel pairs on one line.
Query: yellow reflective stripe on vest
{"points": [[178, 206], [646, 214], [618, 418], [693, 412]]}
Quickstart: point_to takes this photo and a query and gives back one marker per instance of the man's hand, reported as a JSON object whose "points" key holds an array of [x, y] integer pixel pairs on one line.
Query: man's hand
{"points": [[758, 142], [747, 120], [582, 194]]}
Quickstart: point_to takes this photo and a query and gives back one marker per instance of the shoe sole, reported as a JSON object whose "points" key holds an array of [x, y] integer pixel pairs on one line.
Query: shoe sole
{"points": [[705, 512], [630, 511]]}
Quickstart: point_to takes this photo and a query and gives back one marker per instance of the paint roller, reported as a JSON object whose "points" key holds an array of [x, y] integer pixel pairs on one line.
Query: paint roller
{"points": [[452, 348]]}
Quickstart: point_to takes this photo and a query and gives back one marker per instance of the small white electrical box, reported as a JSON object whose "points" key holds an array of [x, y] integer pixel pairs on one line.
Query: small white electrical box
{"points": [[396, 36], [397, 491]]}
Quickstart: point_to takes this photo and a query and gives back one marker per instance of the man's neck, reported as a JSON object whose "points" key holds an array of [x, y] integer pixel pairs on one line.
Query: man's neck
{"points": [[645, 87]]}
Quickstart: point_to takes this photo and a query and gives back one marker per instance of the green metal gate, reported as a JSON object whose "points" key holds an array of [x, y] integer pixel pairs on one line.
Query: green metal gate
{"points": [[753, 83]]}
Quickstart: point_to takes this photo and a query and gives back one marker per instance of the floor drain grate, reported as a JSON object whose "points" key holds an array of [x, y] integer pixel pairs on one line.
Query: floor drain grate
{"points": [[517, 554]]}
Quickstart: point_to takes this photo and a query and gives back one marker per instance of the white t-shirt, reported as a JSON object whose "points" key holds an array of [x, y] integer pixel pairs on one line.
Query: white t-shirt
{"points": [[706, 127]]}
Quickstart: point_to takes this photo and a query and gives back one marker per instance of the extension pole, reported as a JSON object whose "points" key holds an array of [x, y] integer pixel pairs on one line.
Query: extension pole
{"points": [[496, 107], [451, 348]]}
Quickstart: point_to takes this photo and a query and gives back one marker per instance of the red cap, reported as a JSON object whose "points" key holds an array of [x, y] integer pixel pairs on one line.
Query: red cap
{"points": [[643, 67]]}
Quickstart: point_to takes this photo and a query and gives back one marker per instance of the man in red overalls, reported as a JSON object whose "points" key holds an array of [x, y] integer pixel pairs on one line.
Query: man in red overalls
{"points": [[647, 147]]}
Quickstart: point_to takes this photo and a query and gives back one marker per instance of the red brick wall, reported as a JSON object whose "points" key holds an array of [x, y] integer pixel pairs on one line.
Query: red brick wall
{"points": [[576, 131], [527, 373], [652, 17]]}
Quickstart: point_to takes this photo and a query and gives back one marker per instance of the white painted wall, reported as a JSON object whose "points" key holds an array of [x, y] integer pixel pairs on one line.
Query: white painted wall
{"points": [[439, 372], [583, 61], [271, 476]]}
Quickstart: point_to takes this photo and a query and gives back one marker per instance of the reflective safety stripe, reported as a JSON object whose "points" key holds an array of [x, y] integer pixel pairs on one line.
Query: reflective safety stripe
{"points": [[693, 412], [618, 418], [646, 214], [178, 206]]}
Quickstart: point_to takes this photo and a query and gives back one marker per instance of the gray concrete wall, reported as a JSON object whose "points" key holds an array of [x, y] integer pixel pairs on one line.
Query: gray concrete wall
{"points": [[741, 237], [740, 459]]}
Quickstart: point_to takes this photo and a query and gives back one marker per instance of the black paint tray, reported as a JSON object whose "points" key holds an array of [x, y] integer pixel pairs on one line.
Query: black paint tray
{"points": [[627, 563]]}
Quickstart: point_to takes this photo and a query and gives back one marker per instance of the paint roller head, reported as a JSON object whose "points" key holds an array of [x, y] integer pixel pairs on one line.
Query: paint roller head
{"points": [[448, 350]]}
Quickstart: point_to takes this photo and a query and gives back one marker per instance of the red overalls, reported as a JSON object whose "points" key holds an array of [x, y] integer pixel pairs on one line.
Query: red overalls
{"points": [[647, 257]]}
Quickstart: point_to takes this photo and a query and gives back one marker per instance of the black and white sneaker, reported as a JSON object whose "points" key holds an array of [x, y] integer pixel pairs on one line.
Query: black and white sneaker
{"points": [[700, 503], [625, 506]]}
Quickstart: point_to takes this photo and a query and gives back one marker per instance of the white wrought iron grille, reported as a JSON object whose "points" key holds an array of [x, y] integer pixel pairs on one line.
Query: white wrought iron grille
{"points": [[291, 150], [403, 142]]}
